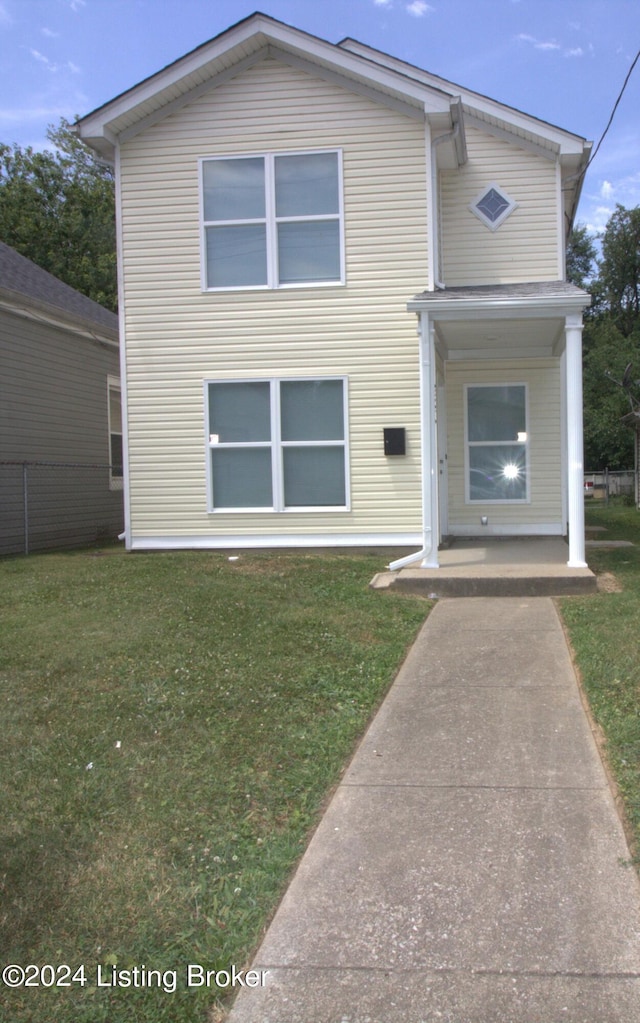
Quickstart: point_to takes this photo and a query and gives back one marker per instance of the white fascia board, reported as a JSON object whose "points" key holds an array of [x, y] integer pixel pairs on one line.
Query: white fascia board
{"points": [[256, 32], [565, 141], [507, 308]]}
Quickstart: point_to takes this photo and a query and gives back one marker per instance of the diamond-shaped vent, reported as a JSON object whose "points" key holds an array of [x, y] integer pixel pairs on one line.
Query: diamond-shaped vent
{"points": [[493, 206]]}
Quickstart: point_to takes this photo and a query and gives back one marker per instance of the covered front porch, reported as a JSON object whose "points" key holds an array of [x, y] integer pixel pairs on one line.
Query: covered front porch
{"points": [[495, 567], [501, 415]]}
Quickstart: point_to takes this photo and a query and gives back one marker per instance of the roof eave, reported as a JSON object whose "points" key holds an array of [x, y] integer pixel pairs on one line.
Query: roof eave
{"points": [[25, 305], [101, 128], [461, 308]]}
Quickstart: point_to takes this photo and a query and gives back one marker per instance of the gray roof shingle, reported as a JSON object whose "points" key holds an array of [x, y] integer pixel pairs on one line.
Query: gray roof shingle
{"points": [[19, 275], [509, 292]]}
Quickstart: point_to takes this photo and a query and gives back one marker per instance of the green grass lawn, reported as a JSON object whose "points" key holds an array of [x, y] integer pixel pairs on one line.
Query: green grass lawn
{"points": [[172, 724], [605, 633]]}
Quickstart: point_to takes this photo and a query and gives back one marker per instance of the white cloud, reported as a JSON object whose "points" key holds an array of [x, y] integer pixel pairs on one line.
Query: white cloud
{"points": [[538, 44], [5, 17], [41, 57], [16, 115], [549, 45], [598, 205], [77, 5], [419, 8], [383, 3], [49, 33], [52, 66]]}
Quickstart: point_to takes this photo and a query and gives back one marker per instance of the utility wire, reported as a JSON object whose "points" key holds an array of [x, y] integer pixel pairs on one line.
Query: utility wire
{"points": [[613, 113]]}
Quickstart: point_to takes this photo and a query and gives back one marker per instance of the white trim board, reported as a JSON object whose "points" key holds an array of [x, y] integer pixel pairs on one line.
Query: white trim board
{"points": [[254, 541]]}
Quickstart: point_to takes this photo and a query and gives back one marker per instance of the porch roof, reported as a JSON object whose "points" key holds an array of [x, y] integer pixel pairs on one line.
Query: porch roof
{"points": [[528, 295], [501, 320]]}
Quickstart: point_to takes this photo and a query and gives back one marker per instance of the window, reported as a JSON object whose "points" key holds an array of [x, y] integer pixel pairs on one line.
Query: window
{"points": [[115, 433], [272, 221], [492, 207], [277, 444], [497, 462]]}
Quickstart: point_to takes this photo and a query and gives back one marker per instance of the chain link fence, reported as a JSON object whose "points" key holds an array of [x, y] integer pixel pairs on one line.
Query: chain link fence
{"points": [[57, 505], [610, 483]]}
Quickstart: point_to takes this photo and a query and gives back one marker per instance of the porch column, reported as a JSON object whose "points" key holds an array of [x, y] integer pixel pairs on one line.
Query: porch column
{"points": [[429, 442], [575, 468]]}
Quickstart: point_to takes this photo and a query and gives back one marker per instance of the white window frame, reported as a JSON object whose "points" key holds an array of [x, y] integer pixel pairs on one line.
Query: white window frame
{"points": [[469, 444], [271, 222], [277, 445], [113, 384], [493, 225]]}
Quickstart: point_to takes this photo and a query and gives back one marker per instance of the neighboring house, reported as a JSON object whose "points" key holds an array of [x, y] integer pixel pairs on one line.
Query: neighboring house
{"points": [[60, 418], [344, 310]]}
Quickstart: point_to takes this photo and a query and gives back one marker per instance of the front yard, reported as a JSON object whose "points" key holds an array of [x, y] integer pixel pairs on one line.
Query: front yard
{"points": [[172, 724]]}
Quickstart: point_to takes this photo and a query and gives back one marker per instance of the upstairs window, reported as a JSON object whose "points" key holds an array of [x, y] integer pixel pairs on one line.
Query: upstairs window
{"points": [[272, 221], [497, 443], [492, 207]]}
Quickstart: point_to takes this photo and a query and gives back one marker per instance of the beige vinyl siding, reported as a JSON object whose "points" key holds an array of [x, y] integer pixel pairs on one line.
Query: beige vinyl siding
{"points": [[542, 377], [177, 336], [525, 246]]}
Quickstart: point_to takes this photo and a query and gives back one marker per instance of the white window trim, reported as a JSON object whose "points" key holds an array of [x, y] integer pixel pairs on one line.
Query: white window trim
{"points": [[114, 384], [467, 444], [271, 222], [493, 225], [277, 445]]}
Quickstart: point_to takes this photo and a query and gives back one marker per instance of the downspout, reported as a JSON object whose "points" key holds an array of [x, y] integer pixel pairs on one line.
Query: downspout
{"points": [[428, 554], [456, 135]]}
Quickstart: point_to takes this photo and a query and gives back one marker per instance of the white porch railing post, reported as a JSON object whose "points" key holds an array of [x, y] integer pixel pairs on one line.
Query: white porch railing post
{"points": [[575, 467]]}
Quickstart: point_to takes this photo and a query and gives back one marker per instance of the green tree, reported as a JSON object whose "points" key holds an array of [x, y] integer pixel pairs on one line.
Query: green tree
{"points": [[611, 337], [607, 352], [57, 208], [619, 276], [581, 257]]}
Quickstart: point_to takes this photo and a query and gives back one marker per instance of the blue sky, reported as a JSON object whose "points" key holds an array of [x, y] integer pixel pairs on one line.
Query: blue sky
{"points": [[561, 60]]}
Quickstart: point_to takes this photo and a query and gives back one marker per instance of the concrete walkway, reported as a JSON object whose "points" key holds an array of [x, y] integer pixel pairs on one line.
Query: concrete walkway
{"points": [[471, 867]]}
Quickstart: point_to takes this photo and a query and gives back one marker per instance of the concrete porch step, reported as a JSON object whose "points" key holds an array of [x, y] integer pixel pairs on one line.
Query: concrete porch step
{"points": [[515, 581], [524, 567]]}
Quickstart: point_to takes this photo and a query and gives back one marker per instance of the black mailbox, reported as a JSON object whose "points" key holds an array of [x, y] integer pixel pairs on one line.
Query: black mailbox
{"points": [[394, 440]]}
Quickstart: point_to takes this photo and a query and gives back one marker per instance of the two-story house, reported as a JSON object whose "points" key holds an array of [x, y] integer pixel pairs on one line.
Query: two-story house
{"points": [[344, 315]]}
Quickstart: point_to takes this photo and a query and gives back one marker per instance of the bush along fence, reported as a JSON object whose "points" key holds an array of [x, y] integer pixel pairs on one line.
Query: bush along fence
{"points": [[57, 505]]}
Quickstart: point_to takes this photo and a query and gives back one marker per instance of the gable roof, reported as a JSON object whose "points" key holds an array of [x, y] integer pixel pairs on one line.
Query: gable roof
{"points": [[416, 92], [26, 287]]}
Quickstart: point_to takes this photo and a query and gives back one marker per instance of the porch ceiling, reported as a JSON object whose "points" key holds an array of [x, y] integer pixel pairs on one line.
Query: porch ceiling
{"points": [[499, 339], [501, 320]]}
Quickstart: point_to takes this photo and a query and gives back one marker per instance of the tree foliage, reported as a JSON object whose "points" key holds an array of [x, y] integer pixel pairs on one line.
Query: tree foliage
{"points": [[620, 269], [57, 208], [581, 257], [611, 335]]}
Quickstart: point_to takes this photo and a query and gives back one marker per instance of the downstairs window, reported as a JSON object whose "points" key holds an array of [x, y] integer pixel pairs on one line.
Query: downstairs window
{"points": [[277, 445]]}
